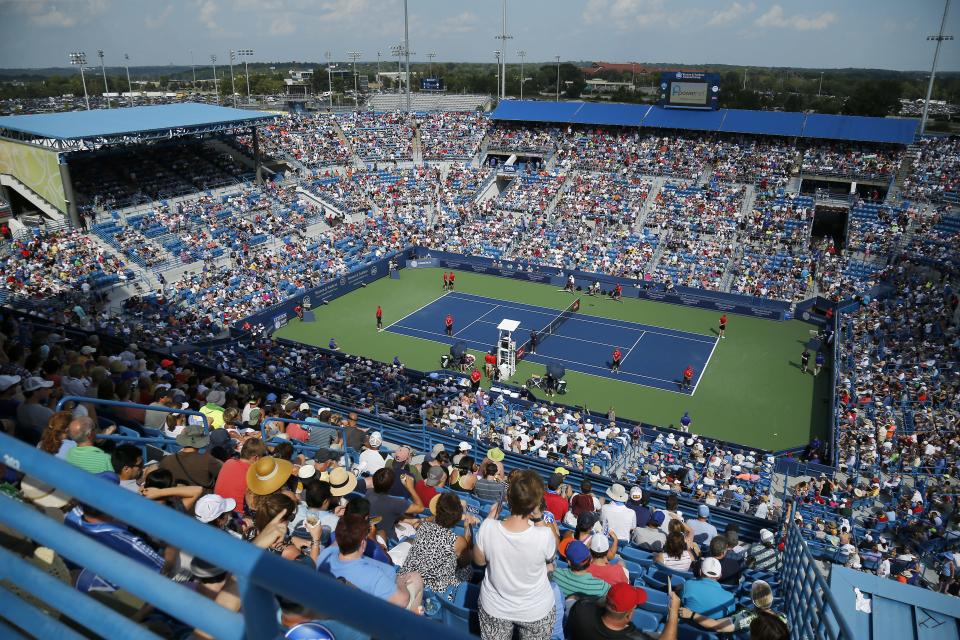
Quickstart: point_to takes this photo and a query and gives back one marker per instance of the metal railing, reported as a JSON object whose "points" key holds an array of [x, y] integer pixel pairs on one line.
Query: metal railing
{"points": [[260, 574], [810, 606]]}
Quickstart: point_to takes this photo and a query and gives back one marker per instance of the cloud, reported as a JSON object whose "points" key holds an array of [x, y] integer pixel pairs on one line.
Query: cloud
{"points": [[283, 25], [45, 13], [461, 23], [159, 20], [775, 17], [53, 18], [208, 15], [734, 13], [625, 15]]}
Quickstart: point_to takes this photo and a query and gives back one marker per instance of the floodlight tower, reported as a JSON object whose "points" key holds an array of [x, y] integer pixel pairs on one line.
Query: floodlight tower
{"points": [[354, 56], [503, 57], [106, 89], [126, 64], [430, 57], [233, 85], [523, 55], [406, 49], [326, 55], [216, 91], [79, 59], [245, 54], [558, 77], [939, 39]]}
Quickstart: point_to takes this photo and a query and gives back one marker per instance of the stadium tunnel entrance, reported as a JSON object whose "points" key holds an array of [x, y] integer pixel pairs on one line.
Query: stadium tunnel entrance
{"points": [[831, 222]]}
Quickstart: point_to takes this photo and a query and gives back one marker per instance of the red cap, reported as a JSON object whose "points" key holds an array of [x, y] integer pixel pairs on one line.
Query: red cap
{"points": [[166, 363], [622, 597]]}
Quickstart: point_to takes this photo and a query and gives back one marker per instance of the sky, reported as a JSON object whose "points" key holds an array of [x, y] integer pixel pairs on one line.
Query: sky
{"points": [[888, 34]]}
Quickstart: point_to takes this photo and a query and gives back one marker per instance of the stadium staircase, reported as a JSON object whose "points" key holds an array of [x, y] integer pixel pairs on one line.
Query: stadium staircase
{"points": [[548, 212], [417, 148], [906, 167], [43, 205], [655, 186]]}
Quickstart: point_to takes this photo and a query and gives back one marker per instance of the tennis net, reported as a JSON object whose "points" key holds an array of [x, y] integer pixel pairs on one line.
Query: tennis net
{"points": [[552, 327]]}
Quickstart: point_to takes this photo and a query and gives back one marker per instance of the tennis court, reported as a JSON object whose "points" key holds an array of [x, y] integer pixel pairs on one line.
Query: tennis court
{"points": [[652, 356]]}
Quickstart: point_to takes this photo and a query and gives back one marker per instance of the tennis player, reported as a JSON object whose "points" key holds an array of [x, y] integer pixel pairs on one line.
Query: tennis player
{"points": [[617, 356], [617, 293], [687, 378], [448, 324], [379, 318], [723, 325]]}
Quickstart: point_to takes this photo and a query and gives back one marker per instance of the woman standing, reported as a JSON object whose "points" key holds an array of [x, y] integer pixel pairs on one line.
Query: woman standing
{"points": [[516, 591], [439, 555]]}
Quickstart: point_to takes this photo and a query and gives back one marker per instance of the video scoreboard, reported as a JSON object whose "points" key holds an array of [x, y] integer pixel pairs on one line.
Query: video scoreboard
{"points": [[689, 90], [431, 84]]}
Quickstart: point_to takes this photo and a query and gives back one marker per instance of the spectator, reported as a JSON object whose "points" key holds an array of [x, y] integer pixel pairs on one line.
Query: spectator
{"points": [[705, 596], [703, 531], [188, 465], [763, 555], [650, 537], [86, 455], [762, 598], [463, 477], [162, 397], [368, 575], [675, 555], [490, 487], [730, 568], [616, 516], [585, 500], [640, 505], [611, 616], [576, 579], [389, 507], [232, 478], [439, 556], [600, 567], [434, 478], [370, 459], [55, 439], [555, 497], [33, 413], [515, 592], [127, 462], [213, 408]]}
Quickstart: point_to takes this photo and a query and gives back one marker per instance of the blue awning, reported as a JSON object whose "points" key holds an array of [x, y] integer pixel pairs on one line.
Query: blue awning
{"points": [[535, 111], [860, 128], [771, 123], [698, 120]]}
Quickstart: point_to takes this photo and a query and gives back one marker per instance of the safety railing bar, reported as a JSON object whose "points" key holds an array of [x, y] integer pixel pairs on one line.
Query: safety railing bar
{"points": [[26, 616], [133, 405], [92, 614], [125, 572], [340, 430], [9, 633]]}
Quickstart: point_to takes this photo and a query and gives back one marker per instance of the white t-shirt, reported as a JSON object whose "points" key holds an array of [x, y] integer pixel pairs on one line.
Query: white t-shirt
{"points": [[372, 460], [619, 519], [516, 586]]}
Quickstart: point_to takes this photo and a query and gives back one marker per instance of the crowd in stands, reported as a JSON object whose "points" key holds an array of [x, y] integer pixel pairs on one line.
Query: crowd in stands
{"points": [[380, 137], [634, 153], [603, 196], [531, 192], [767, 162], [851, 160], [312, 140], [935, 176], [451, 136]]}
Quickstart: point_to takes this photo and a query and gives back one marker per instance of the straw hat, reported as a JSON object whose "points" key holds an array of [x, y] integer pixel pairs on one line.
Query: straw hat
{"points": [[268, 474]]}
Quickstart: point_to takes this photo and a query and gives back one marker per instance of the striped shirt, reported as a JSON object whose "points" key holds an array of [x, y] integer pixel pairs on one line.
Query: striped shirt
{"points": [[765, 558], [579, 583], [90, 458], [488, 490]]}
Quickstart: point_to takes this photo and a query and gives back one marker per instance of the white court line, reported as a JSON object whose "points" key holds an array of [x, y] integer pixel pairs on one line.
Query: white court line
{"points": [[702, 373], [445, 293], [435, 333], [630, 350], [599, 318], [536, 355], [565, 337], [481, 317]]}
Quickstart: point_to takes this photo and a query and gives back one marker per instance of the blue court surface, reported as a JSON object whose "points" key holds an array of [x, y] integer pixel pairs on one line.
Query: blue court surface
{"points": [[652, 356]]}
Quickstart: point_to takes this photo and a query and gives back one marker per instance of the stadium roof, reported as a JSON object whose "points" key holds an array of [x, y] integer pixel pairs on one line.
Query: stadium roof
{"points": [[771, 123], [140, 123]]}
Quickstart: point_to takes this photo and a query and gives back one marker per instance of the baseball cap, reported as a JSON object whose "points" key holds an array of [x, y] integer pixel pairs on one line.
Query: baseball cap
{"points": [[8, 381], [304, 406], [766, 535], [636, 493], [33, 383], [623, 597], [711, 568], [376, 439], [599, 544], [703, 511], [464, 446], [577, 552], [211, 506], [437, 448], [434, 476], [555, 481], [87, 350], [657, 518]]}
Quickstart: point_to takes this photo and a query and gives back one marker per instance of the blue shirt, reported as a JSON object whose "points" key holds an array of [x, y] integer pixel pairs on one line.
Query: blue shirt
{"points": [[820, 359], [370, 576], [708, 598], [333, 343]]}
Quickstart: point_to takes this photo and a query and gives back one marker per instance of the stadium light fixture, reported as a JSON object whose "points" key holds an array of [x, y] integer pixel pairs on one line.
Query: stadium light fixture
{"points": [[558, 77], [354, 56], [523, 55], [246, 54], [216, 91], [126, 64], [106, 89], [503, 57], [326, 54], [497, 56], [939, 39], [406, 49], [233, 85], [430, 57], [79, 59], [378, 68]]}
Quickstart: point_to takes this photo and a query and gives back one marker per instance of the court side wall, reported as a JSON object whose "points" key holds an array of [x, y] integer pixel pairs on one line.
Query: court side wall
{"points": [[37, 168]]}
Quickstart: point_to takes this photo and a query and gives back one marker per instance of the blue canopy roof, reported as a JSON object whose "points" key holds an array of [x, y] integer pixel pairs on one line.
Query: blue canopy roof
{"points": [[770, 123], [76, 125]]}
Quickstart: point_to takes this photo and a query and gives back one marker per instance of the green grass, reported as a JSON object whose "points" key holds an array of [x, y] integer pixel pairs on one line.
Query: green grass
{"points": [[752, 391]]}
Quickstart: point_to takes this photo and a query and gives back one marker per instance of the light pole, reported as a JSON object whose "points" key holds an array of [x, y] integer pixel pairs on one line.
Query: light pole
{"points": [[406, 49], [79, 58], [378, 70], [503, 58], [354, 55], [193, 68], [106, 90], [523, 55], [497, 54], [933, 69], [820, 86], [126, 63], [233, 86], [558, 77], [216, 91], [326, 54], [245, 54], [431, 56]]}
